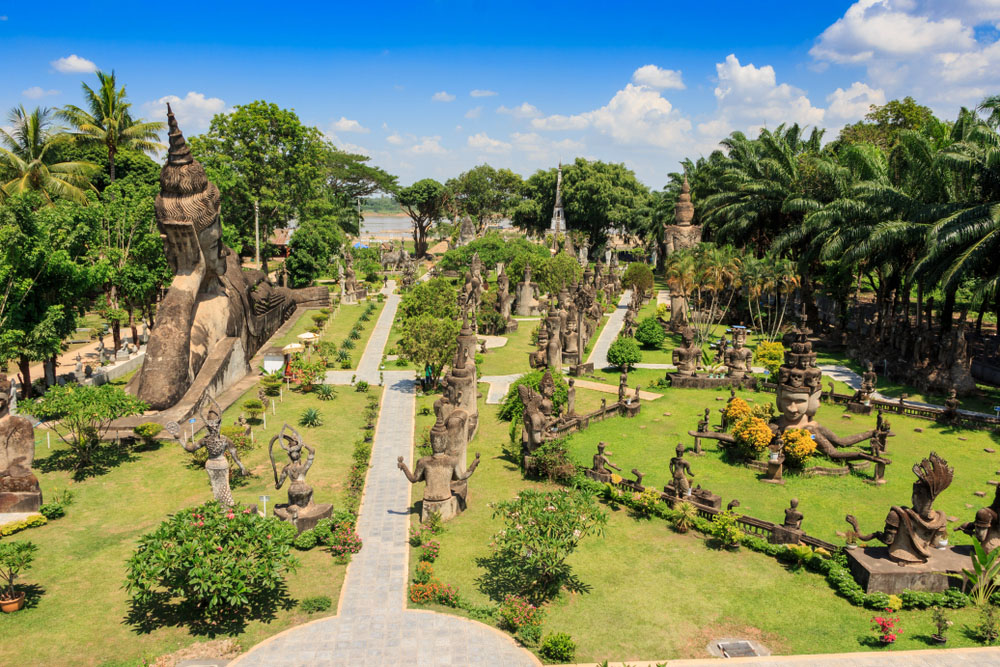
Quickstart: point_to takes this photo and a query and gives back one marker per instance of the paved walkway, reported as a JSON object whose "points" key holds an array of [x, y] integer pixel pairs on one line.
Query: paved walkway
{"points": [[599, 353], [493, 342], [853, 380], [613, 389], [956, 657], [499, 386], [372, 625], [371, 359]]}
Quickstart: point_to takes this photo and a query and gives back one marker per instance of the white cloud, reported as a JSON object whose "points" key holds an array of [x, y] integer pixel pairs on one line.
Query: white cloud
{"points": [[636, 115], [655, 77], [749, 97], [347, 146], [544, 150], [347, 125], [853, 103], [443, 96], [474, 112], [74, 64], [922, 48], [482, 93], [428, 146], [395, 139], [37, 92], [194, 111], [522, 110], [482, 142]]}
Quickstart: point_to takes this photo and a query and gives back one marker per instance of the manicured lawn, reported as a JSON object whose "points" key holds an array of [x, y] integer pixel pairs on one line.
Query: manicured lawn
{"points": [[342, 320], [77, 613]]}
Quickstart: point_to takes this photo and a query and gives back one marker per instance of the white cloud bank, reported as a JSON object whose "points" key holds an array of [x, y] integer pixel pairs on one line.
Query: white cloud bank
{"points": [[347, 125], [74, 64], [194, 111], [478, 92], [655, 77], [37, 92]]}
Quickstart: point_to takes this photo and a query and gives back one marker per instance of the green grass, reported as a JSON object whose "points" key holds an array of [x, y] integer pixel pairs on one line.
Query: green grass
{"points": [[80, 566], [341, 322], [657, 595]]}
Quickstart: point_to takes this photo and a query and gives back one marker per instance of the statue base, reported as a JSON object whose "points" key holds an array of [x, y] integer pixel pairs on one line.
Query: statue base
{"points": [[307, 517], [701, 496], [582, 369], [510, 326], [630, 409], [603, 477], [20, 494], [786, 535], [705, 382], [876, 572], [859, 408], [446, 509]]}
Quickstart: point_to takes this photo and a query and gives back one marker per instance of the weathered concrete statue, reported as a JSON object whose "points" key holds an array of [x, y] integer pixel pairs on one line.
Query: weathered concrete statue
{"points": [[986, 527], [687, 358], [909, 532], [216, 445], [19, 489], [439, 471], [300, 510], [527, 296], [215, 315], [679, 471], [738, 357], [602, 467]]}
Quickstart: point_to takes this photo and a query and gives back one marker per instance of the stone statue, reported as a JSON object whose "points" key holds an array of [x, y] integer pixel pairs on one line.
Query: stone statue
{"points": [[535, 423], [910, 533], [527, 293], [553, 348], [213, 307], [19, 489], [300, 511], [951, 407], [216, 445], [793, 517], [622, 385], [78, 369], [439, 471], [868, 380], [571, 398], [738, 358], [687, 357], [466, 232], [601, 469], [986, 527], [680, 470]]}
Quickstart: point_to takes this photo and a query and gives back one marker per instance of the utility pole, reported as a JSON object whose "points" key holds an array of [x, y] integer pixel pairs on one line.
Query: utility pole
{"points": [[256, 231]]}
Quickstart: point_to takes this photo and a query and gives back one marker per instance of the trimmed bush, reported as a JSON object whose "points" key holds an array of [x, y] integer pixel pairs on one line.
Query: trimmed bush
{"points": [[315, 604], [557, 647], [649, 333], [624, 353]]}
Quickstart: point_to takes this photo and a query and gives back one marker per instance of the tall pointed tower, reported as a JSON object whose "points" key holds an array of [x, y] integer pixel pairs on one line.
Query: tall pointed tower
{"points": [[558, 225], [682, 234]]}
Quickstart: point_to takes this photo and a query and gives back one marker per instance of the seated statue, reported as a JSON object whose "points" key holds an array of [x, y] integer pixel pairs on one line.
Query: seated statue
{"points": [[300, 511], [535, 429], [910, 533], [738, 357], [439, 471], [793, 517], [601, 469], [986, 527], [687, 358], [19, 489], [213, 305]]}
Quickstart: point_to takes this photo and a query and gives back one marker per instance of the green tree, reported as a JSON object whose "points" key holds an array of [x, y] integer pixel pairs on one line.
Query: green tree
{"points": [[430, 341], [436, 297], [597, 196], [484, 194], [108, 121], [624, 353], [28, 164], [264, 162], [312, 248], [347, 177], [882, 124], [84, 413], [638, 277], [649, 332], [424, 202]]}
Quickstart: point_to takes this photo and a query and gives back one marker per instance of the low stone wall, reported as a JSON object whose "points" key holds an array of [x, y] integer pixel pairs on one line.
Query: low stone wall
{"points": [[583, 421]]}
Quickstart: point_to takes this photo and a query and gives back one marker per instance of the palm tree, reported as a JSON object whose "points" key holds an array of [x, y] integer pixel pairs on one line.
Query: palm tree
{"points": [[25, 151], [109, 123]]}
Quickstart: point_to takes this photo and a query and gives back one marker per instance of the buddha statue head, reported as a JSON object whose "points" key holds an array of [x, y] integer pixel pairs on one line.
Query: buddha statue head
{"points": [[187, 210], [799, 387]]}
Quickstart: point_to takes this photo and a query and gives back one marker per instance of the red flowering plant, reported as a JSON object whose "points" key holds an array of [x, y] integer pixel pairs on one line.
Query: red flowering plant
{"points": [[515, 613], [885, 628], [339, 535], [429, 551], [218, 560]]}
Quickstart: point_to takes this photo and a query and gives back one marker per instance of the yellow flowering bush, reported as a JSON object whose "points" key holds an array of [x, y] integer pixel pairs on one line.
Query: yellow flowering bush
{"points": [[798, 445], [752, 437], [737, 410]]}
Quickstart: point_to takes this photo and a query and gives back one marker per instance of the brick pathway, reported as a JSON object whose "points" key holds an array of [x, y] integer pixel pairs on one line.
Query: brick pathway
{"points": [[372, 625], [599, 353], [499, 386]]}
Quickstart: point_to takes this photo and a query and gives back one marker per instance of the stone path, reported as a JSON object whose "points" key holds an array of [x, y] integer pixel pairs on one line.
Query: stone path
{"points": [[372, 625], [493, 342], [371, 359], [662, 297], [957, 657], [499, 386], [599, 353], [853, 380]]}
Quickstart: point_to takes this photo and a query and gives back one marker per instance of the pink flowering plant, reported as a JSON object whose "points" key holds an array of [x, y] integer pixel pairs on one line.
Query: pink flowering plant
{"points": [[429, 551], [885, 628], [219, 561], [541, 529]]}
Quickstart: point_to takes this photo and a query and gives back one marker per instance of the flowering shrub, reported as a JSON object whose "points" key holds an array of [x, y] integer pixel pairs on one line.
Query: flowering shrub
{"points": [[645, 503], [446, 595], [217, 559], [339, 535], [770, 356], [737, 410], [541, 529], [515, 612], [423, 593], [885, 628], [752, 436], [429, 551], [424, 573], [726, 529], [798, 445]]}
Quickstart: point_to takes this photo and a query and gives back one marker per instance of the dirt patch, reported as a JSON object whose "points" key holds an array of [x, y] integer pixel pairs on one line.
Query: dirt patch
{"points": [[219, 648], [694, 646]]}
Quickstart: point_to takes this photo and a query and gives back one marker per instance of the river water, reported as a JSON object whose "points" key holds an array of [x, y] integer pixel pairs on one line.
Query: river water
{"points": [[395, 227]]}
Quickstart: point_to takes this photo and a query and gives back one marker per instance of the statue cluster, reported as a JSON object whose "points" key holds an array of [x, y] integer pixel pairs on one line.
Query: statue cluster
{"points": [[567, 328], [470, 297], [351, 290], [300, 510], [446, 470], [212, 307], [393, 258], [19, 488], [409, 275], [539, 419]]}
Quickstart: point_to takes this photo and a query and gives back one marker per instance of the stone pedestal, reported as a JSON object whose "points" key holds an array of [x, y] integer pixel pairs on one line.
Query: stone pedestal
{"points": [[876, 572], [447, 509], [631, 409], [20, 494], [582, 369], [773, 475], [705, 382], [602, 477], [786, 535], [859, 408], [307, 517]]}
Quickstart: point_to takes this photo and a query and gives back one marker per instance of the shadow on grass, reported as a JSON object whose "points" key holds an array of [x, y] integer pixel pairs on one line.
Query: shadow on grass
{"points": [[163, 610], [103, 459], [32, 594]]}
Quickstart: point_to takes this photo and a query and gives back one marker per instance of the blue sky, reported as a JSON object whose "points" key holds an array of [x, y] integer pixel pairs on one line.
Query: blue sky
{"points": [[431, 89]]}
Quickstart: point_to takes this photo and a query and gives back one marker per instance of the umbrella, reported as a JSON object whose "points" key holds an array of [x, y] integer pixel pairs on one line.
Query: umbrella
{"points": [[292, 347], [359, 244], [307, 337]]}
